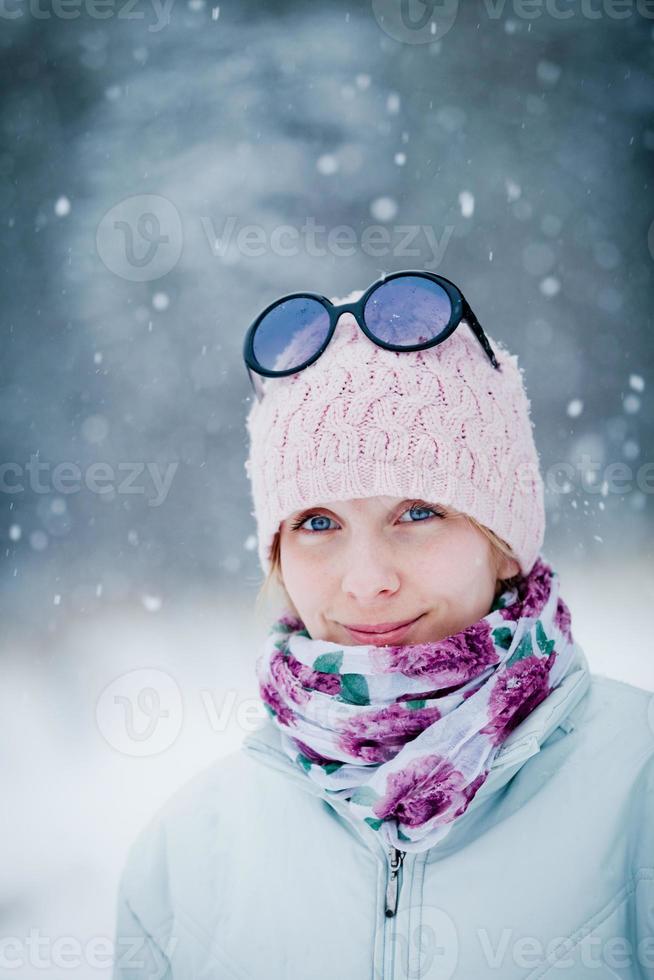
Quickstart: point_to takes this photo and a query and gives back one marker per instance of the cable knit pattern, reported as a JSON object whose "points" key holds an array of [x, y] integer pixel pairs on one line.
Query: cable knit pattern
{"points": [[441, 425]]}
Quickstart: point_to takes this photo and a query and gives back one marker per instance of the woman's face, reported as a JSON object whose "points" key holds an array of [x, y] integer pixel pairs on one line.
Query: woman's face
{"points": [[382, 560]]}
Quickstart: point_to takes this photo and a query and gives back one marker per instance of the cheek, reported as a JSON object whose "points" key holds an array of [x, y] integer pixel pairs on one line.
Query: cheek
{"points": [[456, 562], [304, 578]]}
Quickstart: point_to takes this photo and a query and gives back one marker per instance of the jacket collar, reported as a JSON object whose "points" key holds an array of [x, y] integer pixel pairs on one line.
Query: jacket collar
{"points": [[562, 709]]}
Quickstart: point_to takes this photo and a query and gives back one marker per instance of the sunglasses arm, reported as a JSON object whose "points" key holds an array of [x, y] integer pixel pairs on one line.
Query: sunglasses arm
{"points": [[475, 326], [255, 381]]}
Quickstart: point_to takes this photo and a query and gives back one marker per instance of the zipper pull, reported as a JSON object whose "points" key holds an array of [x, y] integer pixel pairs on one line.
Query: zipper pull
{"points": [[392, 888]]}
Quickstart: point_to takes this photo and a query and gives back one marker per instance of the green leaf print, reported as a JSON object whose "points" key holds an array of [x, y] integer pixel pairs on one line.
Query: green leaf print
{"points": [[330, 767], [329, 663], [354, 689], [364, 796], [499, 603], [373, 822], [401, 835], [523, 650], [273, 714], [303, 761], [502, 637], [281, 628], [418, 703], [546, 646]]}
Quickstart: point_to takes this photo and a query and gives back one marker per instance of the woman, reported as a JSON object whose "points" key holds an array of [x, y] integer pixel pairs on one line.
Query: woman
{"points": [[441, 788]]}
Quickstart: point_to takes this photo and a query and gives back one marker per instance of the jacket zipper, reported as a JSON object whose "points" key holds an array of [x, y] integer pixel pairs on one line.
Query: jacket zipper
{"points": [[396, 857]]}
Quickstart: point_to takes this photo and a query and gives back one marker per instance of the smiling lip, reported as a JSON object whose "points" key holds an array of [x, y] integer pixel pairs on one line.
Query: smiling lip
{"points": [[378, 628], [381, 636]]}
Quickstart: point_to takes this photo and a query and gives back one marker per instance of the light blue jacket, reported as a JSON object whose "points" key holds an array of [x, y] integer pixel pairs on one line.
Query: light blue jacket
{"points": [[250, 872]]}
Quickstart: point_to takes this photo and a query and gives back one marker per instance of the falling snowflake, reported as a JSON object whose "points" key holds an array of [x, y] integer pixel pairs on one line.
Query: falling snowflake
{"points": [[160, 301], [548, 72], [383, 209], [550, 286], [327, 164], [575, 408], [467, 204], [151, 602], [62, 207], [393, 103], [513, 190]]}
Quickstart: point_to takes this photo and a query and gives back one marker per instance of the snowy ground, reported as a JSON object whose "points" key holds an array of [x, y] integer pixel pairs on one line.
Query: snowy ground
{"points": [[78, 792]]}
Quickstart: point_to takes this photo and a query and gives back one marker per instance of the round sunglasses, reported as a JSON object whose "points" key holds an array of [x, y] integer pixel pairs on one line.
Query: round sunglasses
{"points": [[404, 311]]}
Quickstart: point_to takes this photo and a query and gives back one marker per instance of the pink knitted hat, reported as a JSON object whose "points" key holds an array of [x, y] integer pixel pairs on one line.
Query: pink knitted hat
{"points": [[441, 425]]}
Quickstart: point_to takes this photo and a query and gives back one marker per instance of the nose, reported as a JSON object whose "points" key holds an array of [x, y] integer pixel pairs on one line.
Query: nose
{"points": [[369, 571]]}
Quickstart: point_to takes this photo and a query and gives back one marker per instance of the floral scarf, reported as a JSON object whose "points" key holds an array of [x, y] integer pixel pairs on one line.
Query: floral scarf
{"points": [[406, 734]]}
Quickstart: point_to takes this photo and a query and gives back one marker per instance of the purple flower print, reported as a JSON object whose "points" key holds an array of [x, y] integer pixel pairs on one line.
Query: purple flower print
{"points": [[310, 753], [285, 682], [562, 619], [427, 787], [377, 736], [533, 592], [290, 622], [516, 693], [451, 661], [316, 680], [437, 692], [469, 793], [270, 697]]}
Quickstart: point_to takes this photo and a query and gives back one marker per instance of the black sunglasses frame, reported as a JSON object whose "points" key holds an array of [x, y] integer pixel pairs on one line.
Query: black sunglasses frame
{"points": [[460, 310]]}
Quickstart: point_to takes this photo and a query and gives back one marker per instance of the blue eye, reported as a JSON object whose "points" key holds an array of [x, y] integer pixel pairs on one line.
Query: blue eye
{"points": [[311, 517], [304, 518], [417, 507]]}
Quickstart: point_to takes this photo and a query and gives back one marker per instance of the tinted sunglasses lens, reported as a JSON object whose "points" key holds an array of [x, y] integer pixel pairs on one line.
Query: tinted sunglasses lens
{"points": [[290, 334], [408, 310]]}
